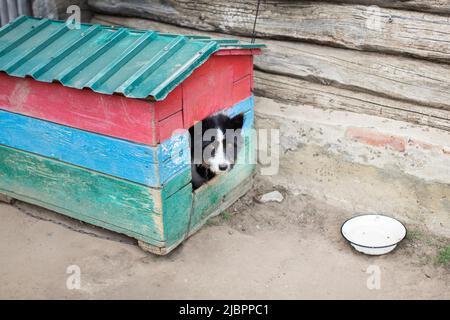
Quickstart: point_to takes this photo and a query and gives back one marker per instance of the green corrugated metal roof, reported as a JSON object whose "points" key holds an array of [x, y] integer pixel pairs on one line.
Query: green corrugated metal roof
{"points": [[135, 63]]}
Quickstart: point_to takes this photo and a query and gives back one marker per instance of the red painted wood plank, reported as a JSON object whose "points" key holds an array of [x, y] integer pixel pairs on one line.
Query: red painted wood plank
{"points": [[110, 115], [172, 104], [238, 52], [242, 88], [167, 126], [210, 88]]}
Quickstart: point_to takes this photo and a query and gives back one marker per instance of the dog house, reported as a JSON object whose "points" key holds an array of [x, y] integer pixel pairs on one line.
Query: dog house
{"points": [[90, 123]]}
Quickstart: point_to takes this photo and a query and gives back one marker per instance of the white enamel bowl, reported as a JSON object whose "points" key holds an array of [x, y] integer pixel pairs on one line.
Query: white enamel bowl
{"points": [[373, 234]]}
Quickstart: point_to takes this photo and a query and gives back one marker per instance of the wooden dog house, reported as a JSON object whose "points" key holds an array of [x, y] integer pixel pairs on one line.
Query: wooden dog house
{"points": [[90, 119]]}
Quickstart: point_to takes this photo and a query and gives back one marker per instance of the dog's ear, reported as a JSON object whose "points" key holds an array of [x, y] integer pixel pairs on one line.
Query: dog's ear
{"points": [[237, 122]]}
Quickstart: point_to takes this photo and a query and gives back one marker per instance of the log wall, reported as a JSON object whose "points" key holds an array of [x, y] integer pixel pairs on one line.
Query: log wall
{"points": [[57, 9], [389, 58]]}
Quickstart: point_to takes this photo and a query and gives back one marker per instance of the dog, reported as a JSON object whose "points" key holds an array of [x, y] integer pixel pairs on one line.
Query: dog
{"points": [[215, 144]]}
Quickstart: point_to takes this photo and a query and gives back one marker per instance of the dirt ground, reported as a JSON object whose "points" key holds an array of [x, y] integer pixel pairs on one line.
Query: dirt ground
{"points": [[288, 250]]}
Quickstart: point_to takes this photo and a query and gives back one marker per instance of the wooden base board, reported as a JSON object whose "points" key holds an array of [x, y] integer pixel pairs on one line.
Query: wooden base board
{"points": [[6, 199]]}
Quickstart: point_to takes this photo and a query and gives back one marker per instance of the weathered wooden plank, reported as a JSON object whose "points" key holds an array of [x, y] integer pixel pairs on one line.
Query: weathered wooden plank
{"points": [[151, 166], [418, 82], [12, 9], [173, 156], [4, 18], [167, 126], [245, 106], [24, 7], [208, 200], [227, 200], [359, 27], [421, 82], [177, 182], [200, 100], [176, 215], [434, 6], [300, 92], [131, 208]]}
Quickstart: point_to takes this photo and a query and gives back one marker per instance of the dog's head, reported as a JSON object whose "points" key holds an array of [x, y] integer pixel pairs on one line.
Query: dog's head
{"points": [[220, 142]]}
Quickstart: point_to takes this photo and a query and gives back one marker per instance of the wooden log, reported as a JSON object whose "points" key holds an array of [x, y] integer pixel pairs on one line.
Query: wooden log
{"points": [[300, 92], [24, 7], [12, 9], [434, 6], [420, 82], [357, 27], [416, 83], [4, 18]]}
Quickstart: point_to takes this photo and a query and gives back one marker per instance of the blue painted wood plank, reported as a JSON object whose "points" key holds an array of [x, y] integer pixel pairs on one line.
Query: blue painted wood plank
{"points": [[241, 107], [174, 156], [116, 157]]}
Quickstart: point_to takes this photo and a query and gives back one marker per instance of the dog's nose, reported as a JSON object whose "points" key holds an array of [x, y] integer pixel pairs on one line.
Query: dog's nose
{"points": [[223, 166]]}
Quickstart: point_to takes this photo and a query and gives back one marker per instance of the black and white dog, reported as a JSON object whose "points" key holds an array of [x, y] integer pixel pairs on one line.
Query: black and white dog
{"points": [[215, 144]]}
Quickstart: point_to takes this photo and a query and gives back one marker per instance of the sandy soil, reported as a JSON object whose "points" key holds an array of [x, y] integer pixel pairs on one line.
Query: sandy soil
{"points": [[289, 250]]}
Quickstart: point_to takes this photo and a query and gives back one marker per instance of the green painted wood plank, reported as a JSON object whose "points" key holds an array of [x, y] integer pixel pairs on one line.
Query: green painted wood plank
{"points": [[227, 201], [177, 182], [85, 195], [176, 215], [210, 196]]}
